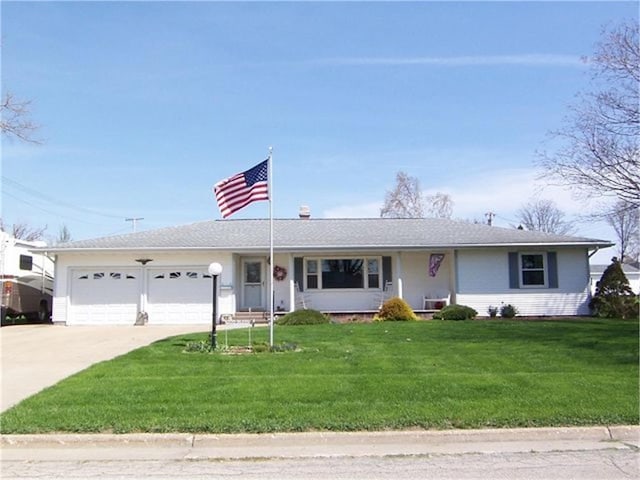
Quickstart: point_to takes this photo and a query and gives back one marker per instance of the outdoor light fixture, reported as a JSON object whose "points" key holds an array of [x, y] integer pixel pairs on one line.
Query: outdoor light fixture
{"points": [[144, 261], [215, 269]]}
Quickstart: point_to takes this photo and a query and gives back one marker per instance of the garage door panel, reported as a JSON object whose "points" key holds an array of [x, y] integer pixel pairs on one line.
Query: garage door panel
{"points": [[179, 295], [105, 296]]}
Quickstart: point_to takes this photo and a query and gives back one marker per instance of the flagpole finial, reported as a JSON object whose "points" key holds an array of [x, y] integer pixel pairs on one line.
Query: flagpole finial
{"points": [[270, 150]]}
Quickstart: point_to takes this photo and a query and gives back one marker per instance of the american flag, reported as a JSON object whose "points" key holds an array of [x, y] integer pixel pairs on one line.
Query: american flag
{"points": [[240, 190]]}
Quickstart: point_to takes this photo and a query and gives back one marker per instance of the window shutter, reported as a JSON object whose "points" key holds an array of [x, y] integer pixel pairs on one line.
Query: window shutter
{"points": [[298, 272], [514, 270], [552, 265], [386, 271]]}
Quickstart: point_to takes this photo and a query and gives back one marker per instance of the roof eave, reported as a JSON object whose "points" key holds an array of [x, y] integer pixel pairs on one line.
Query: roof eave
{"points": [[307, 248]]}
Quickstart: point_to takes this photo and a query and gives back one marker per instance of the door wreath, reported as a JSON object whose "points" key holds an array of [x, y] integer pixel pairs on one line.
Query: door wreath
{"points": [[279, 273]]}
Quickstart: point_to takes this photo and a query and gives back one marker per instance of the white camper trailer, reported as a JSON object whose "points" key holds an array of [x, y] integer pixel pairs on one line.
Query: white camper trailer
{"points": [[27, 280]]}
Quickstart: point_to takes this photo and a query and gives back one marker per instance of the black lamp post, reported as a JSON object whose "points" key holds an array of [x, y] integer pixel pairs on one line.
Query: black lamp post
{"points": [[215, 269]]}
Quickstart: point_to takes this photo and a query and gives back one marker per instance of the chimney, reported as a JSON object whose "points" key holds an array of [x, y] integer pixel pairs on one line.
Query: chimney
{"points": [[305, 212]]}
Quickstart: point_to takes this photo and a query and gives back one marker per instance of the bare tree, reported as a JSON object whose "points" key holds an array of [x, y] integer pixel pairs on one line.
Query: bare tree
{"points": [[440, 205], [64, 235], [405, 200], [544, 216], [23, 231], [599, 154], [624, 220], [15, 121]]}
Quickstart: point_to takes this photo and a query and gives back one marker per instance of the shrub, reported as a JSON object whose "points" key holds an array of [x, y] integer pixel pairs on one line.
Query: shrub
{"points": [[508, 311], [614, 297], [455, 312], [304, 317], [492, 311], [396, 309]]}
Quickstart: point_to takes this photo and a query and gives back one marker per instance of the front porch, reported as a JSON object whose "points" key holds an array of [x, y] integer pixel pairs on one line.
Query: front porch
{"points": [[341, 284]]}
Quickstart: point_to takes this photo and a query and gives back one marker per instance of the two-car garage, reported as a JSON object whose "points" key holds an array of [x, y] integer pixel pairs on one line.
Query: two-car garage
{"points": [[169, 295]]}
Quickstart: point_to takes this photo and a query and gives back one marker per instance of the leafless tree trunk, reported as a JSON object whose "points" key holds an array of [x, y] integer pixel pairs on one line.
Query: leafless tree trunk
{"points": [[599, 154], [405, 200], [544, 216]]}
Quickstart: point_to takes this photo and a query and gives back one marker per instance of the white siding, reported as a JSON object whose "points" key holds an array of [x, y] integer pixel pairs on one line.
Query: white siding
{"points": [[416, 280], [483, 280]]}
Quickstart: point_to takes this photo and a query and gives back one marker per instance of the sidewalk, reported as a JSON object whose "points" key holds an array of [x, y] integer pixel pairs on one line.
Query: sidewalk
{"points": [[59, 447]]}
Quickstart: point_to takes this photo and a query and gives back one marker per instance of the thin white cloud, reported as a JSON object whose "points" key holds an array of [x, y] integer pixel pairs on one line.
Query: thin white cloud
{"points": [[525, 60]]}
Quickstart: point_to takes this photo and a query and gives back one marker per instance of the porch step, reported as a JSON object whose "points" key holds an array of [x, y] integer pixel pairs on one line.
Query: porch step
{"points": [[248, 317]]}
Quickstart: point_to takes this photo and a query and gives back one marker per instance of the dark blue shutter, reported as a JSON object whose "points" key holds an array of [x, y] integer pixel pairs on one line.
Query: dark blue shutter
{"points": [[386, 270], [552, 265], [514, 270], [298, 272]]}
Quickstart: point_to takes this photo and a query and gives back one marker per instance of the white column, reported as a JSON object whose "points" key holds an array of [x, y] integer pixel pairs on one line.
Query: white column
{"points": [[292, 288], [399, 272]]}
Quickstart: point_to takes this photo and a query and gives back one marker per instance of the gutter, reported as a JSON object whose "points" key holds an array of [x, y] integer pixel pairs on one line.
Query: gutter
{"points": [[307, 248]]}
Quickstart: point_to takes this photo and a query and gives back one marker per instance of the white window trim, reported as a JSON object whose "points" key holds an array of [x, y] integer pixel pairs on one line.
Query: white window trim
{"points": [[545, 270], [365, 273]]}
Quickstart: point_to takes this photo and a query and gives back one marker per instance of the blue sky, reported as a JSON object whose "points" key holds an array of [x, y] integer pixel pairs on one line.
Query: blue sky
{"points": [[145, 105]]}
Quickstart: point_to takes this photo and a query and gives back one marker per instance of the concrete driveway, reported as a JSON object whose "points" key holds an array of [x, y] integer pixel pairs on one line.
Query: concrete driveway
{"points": [[36, 356]]}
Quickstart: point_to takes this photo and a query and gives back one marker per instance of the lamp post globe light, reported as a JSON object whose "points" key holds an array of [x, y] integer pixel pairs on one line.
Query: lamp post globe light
{"points": [[215, 269]]}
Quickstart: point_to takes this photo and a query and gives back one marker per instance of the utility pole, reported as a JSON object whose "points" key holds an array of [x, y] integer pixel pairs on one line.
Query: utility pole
{"points": [[134, 222], [489, 216]]}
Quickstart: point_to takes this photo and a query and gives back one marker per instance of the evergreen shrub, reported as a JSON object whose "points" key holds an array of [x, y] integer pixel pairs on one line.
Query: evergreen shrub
{"points": [[455, 312], [396, 309], [304, 317], [614, 297]]}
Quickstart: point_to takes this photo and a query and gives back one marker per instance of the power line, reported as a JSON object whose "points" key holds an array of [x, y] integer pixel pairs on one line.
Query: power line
{"points": [[48, 211], [47, 198]]}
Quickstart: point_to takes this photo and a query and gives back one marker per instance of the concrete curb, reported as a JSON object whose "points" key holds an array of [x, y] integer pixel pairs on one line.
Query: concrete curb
{"points": [[315, 444]]}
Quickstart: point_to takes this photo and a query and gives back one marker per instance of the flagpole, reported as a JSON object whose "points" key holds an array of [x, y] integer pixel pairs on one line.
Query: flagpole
{"points": [[272, 260]]}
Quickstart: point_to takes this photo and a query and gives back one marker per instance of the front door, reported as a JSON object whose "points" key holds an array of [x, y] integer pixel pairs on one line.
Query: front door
{"points": [[253, 283]]}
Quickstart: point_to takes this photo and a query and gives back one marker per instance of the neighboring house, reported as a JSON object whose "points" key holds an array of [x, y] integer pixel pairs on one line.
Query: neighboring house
{"points": [[27, 279], [333, 265], [632, 273]]}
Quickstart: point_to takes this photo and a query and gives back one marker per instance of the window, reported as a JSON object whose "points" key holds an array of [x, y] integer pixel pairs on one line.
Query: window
{"points": [[342, 273], [175, 275], [115, 275], [192, 275], [312, 273], [532, 270], [98, 276], [373, 273], [26, 262]]}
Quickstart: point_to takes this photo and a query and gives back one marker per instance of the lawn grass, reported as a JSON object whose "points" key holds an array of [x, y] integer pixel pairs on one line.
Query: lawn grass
{"points": [[393, 375]]}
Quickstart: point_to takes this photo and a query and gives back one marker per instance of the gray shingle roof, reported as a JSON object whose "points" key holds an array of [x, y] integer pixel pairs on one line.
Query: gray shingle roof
{"points": [[313, 234]]}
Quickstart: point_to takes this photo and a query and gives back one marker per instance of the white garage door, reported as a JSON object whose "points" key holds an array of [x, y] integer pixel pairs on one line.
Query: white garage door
{"points": [[179, 295], [105, 295]]}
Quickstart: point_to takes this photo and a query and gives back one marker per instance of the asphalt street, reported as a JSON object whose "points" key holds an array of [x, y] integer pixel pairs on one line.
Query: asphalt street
{"points": [[610, 464]]}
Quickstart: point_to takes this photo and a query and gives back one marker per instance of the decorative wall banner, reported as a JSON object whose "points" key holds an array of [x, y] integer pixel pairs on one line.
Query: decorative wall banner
{"points": [[434, 263]]}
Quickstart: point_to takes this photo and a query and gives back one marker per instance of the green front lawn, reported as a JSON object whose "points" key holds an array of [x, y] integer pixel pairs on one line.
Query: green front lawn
{"points": [[377, 376]]}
